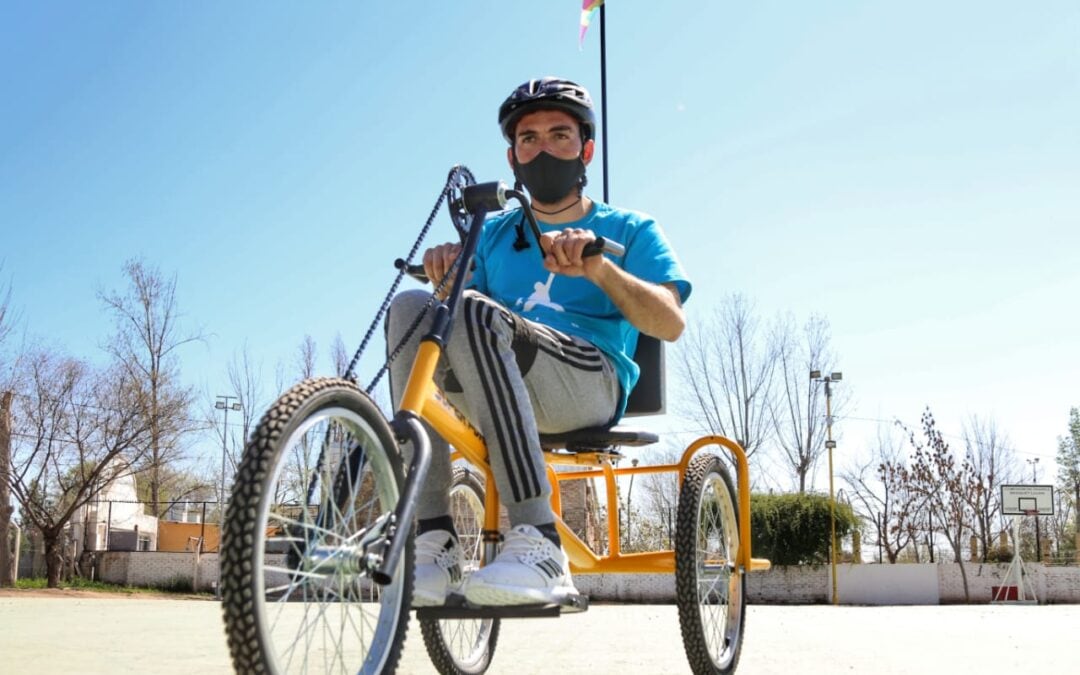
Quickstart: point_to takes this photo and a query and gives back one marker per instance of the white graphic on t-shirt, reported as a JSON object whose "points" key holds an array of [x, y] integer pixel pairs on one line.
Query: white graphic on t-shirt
{"points": [[541, 295]]}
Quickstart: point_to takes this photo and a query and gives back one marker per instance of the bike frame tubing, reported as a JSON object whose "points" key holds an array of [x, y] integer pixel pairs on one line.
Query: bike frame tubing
{"points": [[420, 387]]}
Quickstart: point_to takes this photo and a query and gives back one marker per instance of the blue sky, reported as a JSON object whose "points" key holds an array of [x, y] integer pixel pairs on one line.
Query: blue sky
{"points": [[908, 170]]}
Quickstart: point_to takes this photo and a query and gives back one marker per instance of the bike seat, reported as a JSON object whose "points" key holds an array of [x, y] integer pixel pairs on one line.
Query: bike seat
{"points": [[598, 438]]}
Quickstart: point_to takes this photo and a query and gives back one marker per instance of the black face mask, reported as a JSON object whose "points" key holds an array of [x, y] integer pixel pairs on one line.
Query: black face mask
{"points": [[549, 178]]}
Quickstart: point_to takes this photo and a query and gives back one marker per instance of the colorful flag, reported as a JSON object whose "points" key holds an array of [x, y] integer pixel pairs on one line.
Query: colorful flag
{"points": [[588, 9]]}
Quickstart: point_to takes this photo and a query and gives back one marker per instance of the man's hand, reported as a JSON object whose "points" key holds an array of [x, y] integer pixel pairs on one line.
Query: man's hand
{"points": [[655, 309], [437, 262], [562, 253]]}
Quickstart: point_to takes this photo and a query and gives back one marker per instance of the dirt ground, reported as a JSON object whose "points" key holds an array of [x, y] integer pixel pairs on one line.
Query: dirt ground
{"points": [[96, 595]]}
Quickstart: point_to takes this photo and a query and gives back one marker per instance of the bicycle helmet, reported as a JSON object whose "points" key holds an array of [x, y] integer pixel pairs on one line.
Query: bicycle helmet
{"points": [[548, 93]]}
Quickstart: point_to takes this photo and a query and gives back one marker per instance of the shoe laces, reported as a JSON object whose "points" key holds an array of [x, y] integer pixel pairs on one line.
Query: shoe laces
{"points": [[437, 548], [525, 545]]}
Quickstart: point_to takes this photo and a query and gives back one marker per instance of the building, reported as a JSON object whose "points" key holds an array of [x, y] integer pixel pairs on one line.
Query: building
{"points": [[115, 520]]}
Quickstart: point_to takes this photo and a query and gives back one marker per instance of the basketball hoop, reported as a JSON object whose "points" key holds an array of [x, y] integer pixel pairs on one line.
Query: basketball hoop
{"points": [[1031, 512]]}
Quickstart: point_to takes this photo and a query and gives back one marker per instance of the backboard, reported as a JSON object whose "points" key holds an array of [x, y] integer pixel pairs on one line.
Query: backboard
{"points": [[1027, 500]]}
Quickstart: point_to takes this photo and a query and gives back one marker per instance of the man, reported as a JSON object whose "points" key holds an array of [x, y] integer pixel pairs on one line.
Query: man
{"points": [[538, 346]]}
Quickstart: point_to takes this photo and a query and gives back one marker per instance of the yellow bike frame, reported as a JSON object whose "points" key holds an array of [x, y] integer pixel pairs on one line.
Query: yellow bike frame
{"points": [[423, 399]]}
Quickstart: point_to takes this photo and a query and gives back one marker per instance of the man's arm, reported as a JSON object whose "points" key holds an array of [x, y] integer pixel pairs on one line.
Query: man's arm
{"points": [[654, 309]]}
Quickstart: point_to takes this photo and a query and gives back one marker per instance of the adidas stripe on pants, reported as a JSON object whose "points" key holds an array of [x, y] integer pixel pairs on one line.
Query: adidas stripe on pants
{"points": [[513, 378]]}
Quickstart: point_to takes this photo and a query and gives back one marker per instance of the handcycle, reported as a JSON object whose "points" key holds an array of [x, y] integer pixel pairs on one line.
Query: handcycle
{"points": [[317, 552]]}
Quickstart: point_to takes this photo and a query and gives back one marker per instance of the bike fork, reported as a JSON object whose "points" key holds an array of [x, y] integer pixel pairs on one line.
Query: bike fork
{"points": [[407, 428]]}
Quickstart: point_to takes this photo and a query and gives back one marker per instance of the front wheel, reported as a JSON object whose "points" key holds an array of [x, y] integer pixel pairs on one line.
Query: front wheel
{"points": [[710, 587], [318, 480]]}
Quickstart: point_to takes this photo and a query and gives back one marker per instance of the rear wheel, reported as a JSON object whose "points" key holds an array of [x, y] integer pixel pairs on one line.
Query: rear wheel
{"points": [[319, 477], [464, 645], [710, 588]]}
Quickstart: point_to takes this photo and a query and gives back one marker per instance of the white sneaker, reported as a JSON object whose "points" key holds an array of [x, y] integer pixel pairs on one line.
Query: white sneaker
{"points": [[439, 565], [530, 569]]}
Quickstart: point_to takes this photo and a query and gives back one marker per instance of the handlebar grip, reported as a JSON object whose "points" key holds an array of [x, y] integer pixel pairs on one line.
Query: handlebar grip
{"points": [[602, 245], [414, 271]]}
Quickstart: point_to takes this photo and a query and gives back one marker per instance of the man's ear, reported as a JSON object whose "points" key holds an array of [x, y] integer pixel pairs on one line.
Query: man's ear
{"points": [[587, 151], [510, 156]]}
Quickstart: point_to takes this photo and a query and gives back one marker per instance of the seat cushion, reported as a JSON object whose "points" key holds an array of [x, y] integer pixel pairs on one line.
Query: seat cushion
{"points": [[598, 438]]}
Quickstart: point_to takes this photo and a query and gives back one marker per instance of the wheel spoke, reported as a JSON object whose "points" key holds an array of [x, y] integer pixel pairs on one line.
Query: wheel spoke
{"points": [[326, 448]]}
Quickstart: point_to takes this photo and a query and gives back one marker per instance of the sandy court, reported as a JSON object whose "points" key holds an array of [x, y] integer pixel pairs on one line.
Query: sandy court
{"points": [[58, 632]]}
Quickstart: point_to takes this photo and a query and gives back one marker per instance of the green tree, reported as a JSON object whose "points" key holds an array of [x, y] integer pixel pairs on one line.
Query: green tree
{"points": [[793, 529], [1068, 460]]}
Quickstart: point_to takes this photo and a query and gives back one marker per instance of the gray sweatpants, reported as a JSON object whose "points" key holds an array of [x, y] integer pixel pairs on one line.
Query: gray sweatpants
{"points": [[512, 378]]}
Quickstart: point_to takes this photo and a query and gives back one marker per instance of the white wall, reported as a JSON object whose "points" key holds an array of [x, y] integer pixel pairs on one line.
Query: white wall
{"points": [[886, 584], [912, 584]]}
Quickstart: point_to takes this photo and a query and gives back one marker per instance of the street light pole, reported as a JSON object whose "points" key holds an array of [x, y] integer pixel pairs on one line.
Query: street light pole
{"points": [[223, 404], [629, 510], [830, 444]]}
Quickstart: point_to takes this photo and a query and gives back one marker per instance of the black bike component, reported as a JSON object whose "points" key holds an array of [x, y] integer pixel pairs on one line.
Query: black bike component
{"points": [[526, 208], [459, 176], [406, 427], [458, 182], [603, 245], [572, 604], [596, 247], [440, 330], [489, 196]]}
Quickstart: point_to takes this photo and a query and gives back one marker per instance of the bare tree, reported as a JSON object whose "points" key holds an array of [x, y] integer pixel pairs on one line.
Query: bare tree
{"points": [[6, 509], [76, 431], [292, 484], [339, 356], [660, 500], [145, 346], [950, 488], [727, 366], [306, 358], [880, 489], [245, 378], [798, 410], [7, 321], [994, 461]]}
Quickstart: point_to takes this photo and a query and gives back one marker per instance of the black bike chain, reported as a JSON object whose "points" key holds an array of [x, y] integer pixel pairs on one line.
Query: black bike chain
{"points": [[349, 373], [392, 354]]}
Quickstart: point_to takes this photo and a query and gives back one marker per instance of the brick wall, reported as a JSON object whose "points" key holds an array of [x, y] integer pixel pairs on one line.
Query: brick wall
{"points": [[788, 585]]}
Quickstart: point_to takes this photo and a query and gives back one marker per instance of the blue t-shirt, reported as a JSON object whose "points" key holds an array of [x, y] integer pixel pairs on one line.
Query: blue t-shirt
{"points": [[575, 305]]}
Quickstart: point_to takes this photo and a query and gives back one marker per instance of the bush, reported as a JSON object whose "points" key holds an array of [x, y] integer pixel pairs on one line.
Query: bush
{"points": [[793, 529]]}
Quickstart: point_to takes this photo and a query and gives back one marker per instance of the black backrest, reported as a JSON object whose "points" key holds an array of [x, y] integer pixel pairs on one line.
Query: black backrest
{"points": [[647, 397]]}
